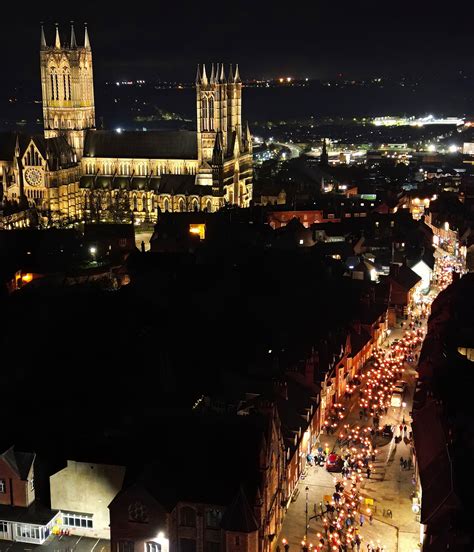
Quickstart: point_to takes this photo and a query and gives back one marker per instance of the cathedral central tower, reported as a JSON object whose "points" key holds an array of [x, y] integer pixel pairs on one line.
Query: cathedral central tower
{"points": [[67, 89]]}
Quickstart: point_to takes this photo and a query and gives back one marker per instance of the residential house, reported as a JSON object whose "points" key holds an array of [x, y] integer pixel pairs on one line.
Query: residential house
{"points": [[22, 518]]}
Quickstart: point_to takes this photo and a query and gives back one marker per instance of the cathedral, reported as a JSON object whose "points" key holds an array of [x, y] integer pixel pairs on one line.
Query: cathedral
{"points": [[76, 172]]}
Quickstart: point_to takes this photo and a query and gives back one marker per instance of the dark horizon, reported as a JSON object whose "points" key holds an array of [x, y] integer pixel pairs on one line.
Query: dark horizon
{"points": [[317, 41]]}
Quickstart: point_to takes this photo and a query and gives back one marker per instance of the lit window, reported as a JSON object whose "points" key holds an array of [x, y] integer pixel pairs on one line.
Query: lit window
{"points": [[2, 486], [153, 547]]}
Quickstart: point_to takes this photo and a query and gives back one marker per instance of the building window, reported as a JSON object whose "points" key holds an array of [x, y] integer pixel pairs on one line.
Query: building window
{"points": [[188, 516], [126, 546], [2, 486], [3, 527], [211, 113], [78, 520], [153, 547], [213, 518], [28, 532], [187, 545], [138, 512], [32, 484], [204, 114], [237, 540]]}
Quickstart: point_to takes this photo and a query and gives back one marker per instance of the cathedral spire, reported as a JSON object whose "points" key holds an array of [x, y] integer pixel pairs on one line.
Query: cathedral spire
{"points": [[57, 41], [198, 75], [73, 36], [222, 76], [231, 74], [43, 39], [213, 76], [87, 43], [218, 150], [237, 75], [324, 157], [204, 74]]}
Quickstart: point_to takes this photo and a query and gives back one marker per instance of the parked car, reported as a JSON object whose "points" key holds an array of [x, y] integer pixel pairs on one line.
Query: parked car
{"points": [[396, 400], [334, 463]]}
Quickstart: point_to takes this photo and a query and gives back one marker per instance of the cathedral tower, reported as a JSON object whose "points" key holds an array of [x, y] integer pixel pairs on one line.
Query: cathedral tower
{"points": [[218, 102], [67, 89]]}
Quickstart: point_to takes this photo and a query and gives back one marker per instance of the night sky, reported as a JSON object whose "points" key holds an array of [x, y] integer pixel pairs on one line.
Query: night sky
{"points": [[304, 39]]}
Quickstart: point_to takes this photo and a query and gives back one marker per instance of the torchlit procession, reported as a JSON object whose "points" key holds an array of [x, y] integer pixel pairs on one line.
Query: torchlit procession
{"points": [[340, 518]]}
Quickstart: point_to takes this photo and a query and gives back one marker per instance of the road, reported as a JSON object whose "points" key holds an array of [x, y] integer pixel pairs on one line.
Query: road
{"points": [[395, 527], [295, 151]]}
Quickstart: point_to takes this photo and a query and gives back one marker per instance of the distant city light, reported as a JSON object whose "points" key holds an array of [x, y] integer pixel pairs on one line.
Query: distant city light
{"points": [[432, 148], [452, 148], [119, 130], [93, 250]]}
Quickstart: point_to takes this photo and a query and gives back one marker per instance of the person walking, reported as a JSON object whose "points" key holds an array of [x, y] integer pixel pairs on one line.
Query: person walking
{"points": [[357, 542], [371, 517], [361, 519], [369, 471]]}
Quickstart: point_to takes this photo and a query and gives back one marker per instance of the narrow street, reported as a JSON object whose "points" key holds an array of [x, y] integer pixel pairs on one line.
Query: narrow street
{"points": [[385, 495]]}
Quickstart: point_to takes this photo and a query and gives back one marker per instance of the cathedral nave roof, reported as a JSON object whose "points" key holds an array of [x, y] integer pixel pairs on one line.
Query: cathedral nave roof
{"points": [[151, 144]]}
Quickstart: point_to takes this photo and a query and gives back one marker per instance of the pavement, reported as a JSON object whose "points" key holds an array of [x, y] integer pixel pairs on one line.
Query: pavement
{"points": [[56, 543], [389, 486]]}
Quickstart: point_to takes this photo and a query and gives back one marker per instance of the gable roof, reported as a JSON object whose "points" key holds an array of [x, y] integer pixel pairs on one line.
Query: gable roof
{"points": [[131, 144], [405, 277], [239, 516], [20, 462]]}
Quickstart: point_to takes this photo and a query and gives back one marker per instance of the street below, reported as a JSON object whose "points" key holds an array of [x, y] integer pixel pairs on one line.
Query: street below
{"points": [[367, 502]]}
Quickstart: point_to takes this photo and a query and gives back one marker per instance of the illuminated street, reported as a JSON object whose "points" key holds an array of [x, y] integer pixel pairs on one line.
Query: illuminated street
{"points": [[388, 493]]}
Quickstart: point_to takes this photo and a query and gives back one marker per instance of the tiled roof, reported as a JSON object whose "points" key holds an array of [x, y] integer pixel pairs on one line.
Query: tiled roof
{"points": [[20, 462]]}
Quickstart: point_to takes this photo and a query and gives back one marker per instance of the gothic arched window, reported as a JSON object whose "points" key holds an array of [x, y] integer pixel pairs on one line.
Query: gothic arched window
{"points": [[195, 205], [211, 113], [204, 114], [181, 205], [209, 206], [166, 204]]}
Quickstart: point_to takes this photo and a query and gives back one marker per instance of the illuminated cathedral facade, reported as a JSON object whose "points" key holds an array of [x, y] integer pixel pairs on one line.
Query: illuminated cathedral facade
{"points": [[75, 171]]}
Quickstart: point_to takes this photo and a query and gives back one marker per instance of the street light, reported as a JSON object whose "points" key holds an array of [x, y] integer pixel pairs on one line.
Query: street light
{"points": [[306, 511]]}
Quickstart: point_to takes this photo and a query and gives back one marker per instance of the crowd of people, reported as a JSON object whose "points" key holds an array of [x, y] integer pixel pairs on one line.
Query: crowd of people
{"points": [[346, 511]]}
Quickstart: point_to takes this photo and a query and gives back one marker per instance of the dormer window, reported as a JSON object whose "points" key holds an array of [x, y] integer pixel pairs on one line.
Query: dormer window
{"points": [[32, 484]]}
